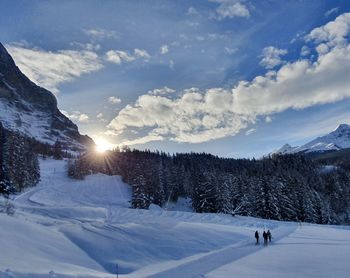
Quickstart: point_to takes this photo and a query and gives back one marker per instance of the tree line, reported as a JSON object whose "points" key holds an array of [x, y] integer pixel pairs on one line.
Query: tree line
{"points": [[281, 187], [19, 165]]}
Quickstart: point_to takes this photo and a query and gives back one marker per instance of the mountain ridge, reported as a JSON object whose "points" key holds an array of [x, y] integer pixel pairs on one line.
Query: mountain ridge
{"points": [[336, 140], [32, 110]]}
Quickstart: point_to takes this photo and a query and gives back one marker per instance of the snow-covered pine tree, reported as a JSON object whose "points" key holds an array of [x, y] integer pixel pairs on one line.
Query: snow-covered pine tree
{"points": [[286, 198], [141, 198], [242, 195], [6, 186], [19, 163], [266, 199], [205, 193], [224, 200]]}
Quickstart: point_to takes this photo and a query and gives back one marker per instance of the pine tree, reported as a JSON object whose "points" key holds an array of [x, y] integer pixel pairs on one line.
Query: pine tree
{"points": [[141, 199], [6, 186], [266, 202], [242, 196], [205, 193]]}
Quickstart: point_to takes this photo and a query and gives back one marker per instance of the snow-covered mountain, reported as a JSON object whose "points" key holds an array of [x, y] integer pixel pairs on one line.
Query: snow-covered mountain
{"points": [[334, 141], [32, 110], [285, 149]]}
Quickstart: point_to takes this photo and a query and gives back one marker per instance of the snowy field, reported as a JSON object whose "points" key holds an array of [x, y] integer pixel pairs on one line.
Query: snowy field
{"points": [[68, 228]]}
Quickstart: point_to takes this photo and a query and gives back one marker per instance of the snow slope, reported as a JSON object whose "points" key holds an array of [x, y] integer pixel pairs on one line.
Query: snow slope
{"points": [[66, 228]]}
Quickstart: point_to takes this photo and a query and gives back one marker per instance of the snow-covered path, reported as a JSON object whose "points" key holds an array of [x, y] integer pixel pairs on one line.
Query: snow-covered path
{"points": [[311, 251], [67, 228], [204, 264]]}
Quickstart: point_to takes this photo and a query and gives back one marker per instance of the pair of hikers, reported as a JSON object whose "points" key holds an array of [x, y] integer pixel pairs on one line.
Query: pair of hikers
{"points": [[266, 235]]}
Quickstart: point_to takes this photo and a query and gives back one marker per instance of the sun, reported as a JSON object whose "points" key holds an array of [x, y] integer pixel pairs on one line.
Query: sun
{"points": [[102, 146]]}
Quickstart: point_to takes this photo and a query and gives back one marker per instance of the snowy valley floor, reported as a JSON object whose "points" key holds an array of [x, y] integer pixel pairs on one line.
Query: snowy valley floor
{"points": [[67, 228]]}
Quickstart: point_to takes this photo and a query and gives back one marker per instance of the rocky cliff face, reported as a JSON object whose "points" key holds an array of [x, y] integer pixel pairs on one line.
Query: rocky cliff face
{"points": [[32, 110]]}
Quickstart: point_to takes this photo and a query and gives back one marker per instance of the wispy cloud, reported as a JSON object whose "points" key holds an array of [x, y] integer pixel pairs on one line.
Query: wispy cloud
{"points": [[192, 11], [50, 69], [331, 11], [114, 100], [120, 56], [162, 91], [164, 49], [87, 46], [250, 131], [268, 119], [231, 9], [141, 53], [230, 50], [100, 33], [305, 51], [143, 140], [101, 117]]}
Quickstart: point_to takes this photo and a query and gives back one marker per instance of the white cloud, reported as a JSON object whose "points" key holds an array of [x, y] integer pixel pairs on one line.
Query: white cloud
{"points": [[333, 33], [99, 33], [101, 118], [231, 9], [198, 116], [50, 69], [164, 49], [268, 119], [194, 117], [297, 85], [163, 91], [76, 116], [304, 51], [141, 53], [271, 57], [119, 56], [322, 48], [114, 100]]}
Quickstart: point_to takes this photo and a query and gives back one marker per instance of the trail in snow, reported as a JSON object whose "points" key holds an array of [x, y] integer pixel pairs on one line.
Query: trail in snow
{"points": [[84, 228], [200, 265], [310, 251]]}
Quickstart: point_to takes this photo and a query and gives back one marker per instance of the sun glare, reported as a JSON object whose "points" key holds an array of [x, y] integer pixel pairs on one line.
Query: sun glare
{"points": [[103, 146]]}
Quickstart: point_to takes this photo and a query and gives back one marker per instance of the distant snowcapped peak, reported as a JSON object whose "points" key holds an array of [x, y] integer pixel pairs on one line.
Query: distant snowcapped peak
{"points": [[285, 149], [336, 140]]}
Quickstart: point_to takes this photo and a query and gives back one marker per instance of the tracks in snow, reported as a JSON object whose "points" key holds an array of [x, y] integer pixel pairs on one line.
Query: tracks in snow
{"points": [[199, 265]]}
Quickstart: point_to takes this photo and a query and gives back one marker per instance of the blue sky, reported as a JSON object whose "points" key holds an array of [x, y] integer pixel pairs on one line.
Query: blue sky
{"points": [[236, 78]]}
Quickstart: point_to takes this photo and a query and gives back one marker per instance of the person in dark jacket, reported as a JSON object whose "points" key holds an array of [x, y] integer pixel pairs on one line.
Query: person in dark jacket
{"points": [[257, 237], [265, 238], [269, 235]]}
